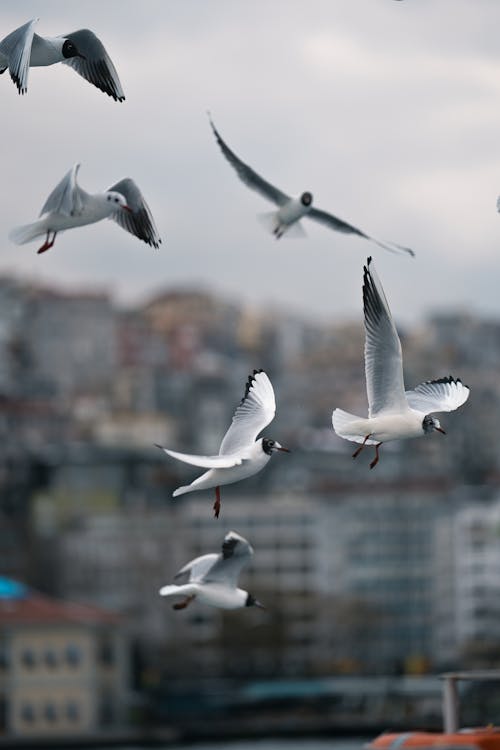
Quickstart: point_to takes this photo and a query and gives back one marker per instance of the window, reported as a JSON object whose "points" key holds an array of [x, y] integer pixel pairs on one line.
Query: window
{"points": [[72, 711], [28, 713], [28, 658], [106, 652], [73, 655], [50, 712]]}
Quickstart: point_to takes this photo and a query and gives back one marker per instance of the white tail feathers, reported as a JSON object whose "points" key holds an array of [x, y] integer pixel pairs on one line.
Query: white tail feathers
{"points": [[270, 221], [169, 590], [26, 233], [342, 421]]}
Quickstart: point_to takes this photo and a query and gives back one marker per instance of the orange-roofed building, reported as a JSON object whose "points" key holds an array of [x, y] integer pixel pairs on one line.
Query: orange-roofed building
{"points": [[63, 666]]}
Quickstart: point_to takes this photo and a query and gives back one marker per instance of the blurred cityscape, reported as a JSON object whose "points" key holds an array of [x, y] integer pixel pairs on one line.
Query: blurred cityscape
{"points": [[387, 573]]}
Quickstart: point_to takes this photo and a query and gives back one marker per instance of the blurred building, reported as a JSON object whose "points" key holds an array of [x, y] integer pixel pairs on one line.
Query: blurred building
{"points": [[468, 584], [346, 580], [63, 666], [361, 568]]}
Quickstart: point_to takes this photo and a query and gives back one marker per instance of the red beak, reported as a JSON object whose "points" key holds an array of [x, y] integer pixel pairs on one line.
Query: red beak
{"points": [[127, 208], [440, 429], [285, 450]]}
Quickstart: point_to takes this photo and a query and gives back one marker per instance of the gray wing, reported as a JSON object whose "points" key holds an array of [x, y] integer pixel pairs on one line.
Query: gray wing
{"points": [[333, 222], [248, 176], [195, 569], [236, 553], [256, 411], [17, 48], [139, 221], [383, 356], [95, 65], [444, 394], [67, 197]]}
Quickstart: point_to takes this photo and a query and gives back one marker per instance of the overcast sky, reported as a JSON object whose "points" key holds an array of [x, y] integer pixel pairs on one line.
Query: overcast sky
{"points": [[389, 112]]}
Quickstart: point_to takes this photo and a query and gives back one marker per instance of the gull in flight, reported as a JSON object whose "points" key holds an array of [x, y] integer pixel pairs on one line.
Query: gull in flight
{"points": [[213, 578], [22, 49], [393, 413], [286, 219], [70, 206], [240, 455]]}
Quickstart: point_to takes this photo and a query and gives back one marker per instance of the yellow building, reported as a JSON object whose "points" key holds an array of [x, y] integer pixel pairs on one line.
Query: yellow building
{"points": [[63, 666]]}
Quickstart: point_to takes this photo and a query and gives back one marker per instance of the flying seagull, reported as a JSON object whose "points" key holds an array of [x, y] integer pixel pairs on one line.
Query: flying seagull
{"points": [[291, 210], [393, 413], [213, 578], [22, 49], [241, 455], [69, 206]]}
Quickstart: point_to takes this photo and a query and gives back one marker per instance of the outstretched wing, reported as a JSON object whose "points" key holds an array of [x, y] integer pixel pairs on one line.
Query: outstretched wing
{"points": [[139, 220], [236, 552], [256, 411], [333, 222], [196, 569], [95, 64], [248, 176], [444, 394], [67, 197], [383, 356], [17, 48], [206, 462]]}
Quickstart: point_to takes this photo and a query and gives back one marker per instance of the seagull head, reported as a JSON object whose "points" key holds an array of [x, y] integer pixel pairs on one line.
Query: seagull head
{"points": [[117, 201], [430, 424], [306, 199], [69, 50], [253, 602], [269, 446]]}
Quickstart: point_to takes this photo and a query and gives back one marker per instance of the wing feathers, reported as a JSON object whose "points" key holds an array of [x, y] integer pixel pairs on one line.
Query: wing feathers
{"points": [[139, 221], [383, 356], [247, 174], [443, 394], [94, 64], [205, 462], [256, 410]]}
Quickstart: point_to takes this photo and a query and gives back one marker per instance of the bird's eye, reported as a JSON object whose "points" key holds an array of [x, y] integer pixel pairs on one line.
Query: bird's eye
{"points": [[116, 200]]}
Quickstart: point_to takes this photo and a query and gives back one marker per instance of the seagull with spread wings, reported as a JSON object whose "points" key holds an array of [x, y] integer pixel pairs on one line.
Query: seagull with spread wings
{"points": [[286, 220], [22, 49], [240, 455], [393, 413], [70, 206], [213, 578]]}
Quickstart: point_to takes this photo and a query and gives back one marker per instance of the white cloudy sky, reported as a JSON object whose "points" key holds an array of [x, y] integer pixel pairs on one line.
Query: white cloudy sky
{"points": [[389, 112]]}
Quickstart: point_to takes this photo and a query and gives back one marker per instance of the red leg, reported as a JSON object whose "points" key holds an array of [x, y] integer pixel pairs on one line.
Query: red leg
{"points": [[358, 450], [375, 460], [217, 502], [47, 244], [184, 603]]}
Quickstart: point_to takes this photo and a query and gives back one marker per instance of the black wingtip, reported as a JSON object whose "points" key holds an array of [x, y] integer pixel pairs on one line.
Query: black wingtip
{"points": [[249, 383], [157, 445]]}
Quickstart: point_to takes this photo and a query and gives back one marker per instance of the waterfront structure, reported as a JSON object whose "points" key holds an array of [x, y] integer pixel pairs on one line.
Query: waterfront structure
{"points": [[63, 666]]}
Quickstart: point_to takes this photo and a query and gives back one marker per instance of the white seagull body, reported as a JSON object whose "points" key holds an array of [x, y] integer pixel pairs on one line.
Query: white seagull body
{"points": [[213, 578], [393, 413], [241, 455], [286, 220], [22, 49], [69, 206]]}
